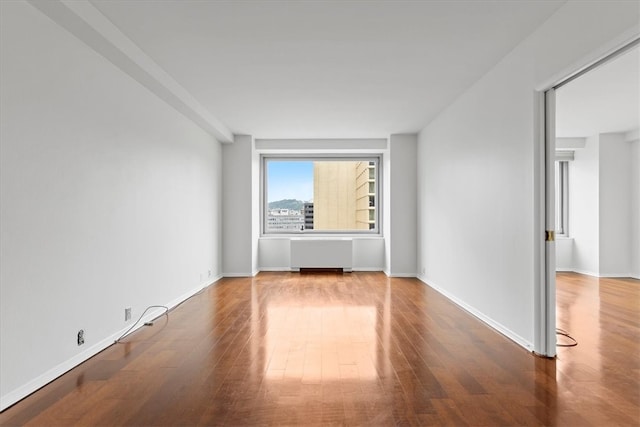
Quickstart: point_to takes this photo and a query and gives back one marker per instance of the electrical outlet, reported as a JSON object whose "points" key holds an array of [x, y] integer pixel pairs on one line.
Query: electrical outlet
{"points": [[127, 314], [209, 273], [81, 337], [424, 270]]}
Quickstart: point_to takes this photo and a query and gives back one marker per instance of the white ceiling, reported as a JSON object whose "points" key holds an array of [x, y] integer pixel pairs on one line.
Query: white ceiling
{"points": [[326, 69], [604, 100]]}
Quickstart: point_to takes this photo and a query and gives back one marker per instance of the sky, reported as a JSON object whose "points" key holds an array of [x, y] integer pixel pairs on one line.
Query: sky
{"points": [[289, 179]]}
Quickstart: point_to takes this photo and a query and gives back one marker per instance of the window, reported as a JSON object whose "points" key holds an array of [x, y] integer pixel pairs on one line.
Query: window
{"points": [[562, 197], [320, 195]]}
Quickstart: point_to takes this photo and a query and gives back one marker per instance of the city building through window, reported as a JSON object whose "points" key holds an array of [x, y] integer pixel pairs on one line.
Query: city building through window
{"points": [[320, 195]]}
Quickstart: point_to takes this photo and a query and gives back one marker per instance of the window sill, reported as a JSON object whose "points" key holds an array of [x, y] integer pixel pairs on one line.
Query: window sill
{"points": [[320, 237]]}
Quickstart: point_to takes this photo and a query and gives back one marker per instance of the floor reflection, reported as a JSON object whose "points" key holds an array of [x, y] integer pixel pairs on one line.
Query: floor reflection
{"points": [[316, 338], [603, 315], [321, 342]]}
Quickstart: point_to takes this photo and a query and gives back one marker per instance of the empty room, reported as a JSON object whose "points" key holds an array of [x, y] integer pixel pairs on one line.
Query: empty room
{"points": [[318, 212]]}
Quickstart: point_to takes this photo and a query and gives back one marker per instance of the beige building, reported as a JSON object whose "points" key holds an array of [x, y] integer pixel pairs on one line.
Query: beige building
{"points": [[344, 195]]}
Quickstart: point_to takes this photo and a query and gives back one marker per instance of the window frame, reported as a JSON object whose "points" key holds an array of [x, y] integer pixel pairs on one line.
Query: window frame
{"points": [[562, 198], [365, 157]]}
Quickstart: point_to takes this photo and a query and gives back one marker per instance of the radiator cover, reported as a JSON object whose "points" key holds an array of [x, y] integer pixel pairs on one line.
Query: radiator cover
{"points": [[322, 253]]}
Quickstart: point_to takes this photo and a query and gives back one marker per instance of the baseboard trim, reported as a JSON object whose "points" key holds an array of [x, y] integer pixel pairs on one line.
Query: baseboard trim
{"points": [[237, 275], [209, 282], [603, 276], [410, 275], [586, 273], [615, 275], [484, 318], [42, 380]]}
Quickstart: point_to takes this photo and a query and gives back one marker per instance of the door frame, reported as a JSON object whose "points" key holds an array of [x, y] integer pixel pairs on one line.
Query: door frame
{"points": [[544, 204], [545, 291]]}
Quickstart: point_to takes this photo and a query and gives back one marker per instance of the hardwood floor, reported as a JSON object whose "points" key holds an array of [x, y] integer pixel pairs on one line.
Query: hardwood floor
{"points": [[353, 349], [600, 378]]}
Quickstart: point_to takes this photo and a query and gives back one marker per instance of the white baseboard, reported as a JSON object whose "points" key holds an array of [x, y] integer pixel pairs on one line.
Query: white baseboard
{"points": [[411, 275], [210, 281], [287, 269], [585, 272], [40, 381], [604, 276], [238, 275], [564, 270], [484, 318], [367, 269], [615, 275]]}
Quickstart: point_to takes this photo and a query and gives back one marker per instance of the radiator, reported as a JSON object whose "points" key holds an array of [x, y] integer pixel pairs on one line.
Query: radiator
{"points": [[321, 253]]}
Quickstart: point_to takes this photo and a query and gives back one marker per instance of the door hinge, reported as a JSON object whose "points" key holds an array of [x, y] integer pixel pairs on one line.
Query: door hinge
{"points": [[550, 236]]}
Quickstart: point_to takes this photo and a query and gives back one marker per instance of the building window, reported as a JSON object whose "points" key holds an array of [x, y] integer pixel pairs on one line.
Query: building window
{"points": [[333, 195], [562, 197]]}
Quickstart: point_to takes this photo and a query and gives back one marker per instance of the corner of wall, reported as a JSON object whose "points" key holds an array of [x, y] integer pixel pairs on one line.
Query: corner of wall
{"points": [[238, 239]]}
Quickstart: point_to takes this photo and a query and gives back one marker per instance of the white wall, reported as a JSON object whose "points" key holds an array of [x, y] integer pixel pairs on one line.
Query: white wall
{"points": [[584, 211], [615, 206], [603, 212], [368, 254], [476, 189], [402, 205], [109, 199], [274, 253], [564, 254], [237, 207], [255, 209], [634, 262], [386, 211]]}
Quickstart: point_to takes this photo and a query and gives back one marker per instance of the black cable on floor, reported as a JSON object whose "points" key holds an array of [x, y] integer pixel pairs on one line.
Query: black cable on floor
{"points": [[166, 312], [566, 334]]}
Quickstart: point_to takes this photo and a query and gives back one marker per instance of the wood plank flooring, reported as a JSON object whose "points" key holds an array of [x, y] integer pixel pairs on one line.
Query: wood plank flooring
{"points": [[600, 378], [353, 349]]}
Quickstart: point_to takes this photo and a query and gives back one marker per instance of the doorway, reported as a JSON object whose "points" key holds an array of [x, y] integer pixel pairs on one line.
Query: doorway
{"points": [[591, 174]]}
